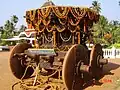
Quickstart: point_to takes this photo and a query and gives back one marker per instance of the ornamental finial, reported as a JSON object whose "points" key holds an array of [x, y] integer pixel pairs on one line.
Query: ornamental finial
{"points": [[49, 0]]}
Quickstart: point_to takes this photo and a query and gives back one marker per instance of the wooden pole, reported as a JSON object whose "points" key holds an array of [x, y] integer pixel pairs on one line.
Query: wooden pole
{"points": [[85, 26], [73, 38], [78, 33], [54, 38]]}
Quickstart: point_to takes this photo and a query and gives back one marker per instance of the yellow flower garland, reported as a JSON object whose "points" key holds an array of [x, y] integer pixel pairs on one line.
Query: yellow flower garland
{"points": [[44, 13], [91, 15], [55, 27], [40, 30], [41, 16], [74, 24], [59, 14], [76, 14], [32, 15], [46, 23], [76, 28], [38, 24], [60, 21]]}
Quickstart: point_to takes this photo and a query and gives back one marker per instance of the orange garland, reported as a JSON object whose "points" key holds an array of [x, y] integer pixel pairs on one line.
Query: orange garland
{"points": [[39, 17], [59, 14], [44, 12]]}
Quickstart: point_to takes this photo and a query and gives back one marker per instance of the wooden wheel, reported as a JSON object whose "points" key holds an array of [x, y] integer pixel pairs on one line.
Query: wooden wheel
{"points": [[15, 63], [76, 54], [95, 55]]}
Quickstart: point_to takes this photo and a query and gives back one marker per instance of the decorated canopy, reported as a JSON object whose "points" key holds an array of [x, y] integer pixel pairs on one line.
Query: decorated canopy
{"points": [[50, 17]]}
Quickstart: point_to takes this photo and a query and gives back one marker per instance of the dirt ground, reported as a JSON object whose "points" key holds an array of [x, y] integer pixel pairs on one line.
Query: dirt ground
{"points": [[110, 80]]}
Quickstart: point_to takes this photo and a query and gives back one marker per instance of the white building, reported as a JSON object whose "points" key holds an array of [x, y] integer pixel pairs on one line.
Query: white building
{"points": [[28, 34]]}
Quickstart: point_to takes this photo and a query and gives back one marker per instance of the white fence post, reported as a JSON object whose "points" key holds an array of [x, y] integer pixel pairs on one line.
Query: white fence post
{"points": [[107, 53], [113, 52], [117, 53]]}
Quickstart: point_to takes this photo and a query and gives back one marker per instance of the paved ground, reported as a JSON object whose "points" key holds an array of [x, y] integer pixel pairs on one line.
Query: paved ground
{"points": [[6, 78], [111, 80]]}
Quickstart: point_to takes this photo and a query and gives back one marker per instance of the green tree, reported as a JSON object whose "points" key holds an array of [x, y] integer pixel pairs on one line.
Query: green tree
{"points": [[96, 6], [1, 31], [14, 20], [22, 28], [100, 29], [115, 31], [9, 29]]}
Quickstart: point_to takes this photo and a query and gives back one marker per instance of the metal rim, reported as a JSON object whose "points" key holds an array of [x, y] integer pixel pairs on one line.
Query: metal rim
{"points": [[95, 55], [15, 64], [74, 55]]}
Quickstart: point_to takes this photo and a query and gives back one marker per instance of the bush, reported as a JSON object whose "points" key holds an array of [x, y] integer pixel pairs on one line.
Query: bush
{"points": [[116, 45]]}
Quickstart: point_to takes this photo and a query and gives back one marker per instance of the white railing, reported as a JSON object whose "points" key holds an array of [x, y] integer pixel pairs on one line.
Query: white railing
{"points": [[111, 53], [117, 53]]}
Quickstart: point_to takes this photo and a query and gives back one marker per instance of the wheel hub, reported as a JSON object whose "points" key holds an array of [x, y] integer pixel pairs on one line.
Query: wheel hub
{"points": [[81, 68]]}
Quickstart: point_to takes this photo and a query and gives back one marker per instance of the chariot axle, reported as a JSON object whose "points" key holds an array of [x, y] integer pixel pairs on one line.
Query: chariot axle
{"points": [[103, 61], [85, 68]]}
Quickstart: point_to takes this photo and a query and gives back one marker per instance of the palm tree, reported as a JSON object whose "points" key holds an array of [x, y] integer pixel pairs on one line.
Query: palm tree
{"points": [[10, 27], [100, 29], [14, 19], [96, 6], [115, 31]]}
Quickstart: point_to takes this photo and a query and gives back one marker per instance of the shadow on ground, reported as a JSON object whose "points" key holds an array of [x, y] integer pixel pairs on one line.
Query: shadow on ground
{"points": [[106, 71]]}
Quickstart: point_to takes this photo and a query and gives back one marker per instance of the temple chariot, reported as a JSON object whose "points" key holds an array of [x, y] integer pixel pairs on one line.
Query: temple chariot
{"points": [[58, 57]]}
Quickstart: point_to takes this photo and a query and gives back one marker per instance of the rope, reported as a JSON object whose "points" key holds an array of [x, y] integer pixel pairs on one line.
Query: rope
{"points": [[64, 39], [21, 78], [51, 74], [25, 71], [15, 85], [41, 85]]}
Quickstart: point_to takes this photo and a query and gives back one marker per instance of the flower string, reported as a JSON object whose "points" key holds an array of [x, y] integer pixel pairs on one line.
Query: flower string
{"points": [[59, 14], [32, 15]]}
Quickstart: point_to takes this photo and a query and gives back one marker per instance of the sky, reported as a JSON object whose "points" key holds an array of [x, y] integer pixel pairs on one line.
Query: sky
{"points": [[110, 8]]}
